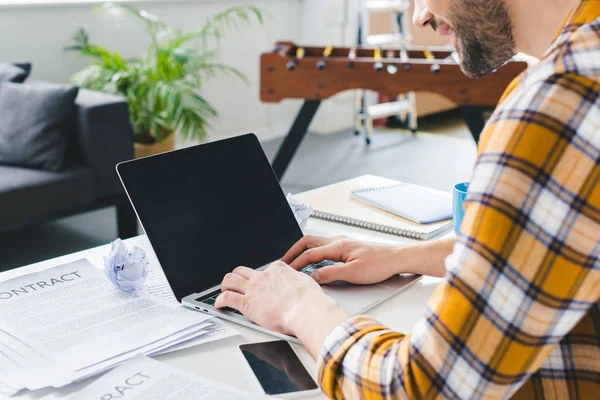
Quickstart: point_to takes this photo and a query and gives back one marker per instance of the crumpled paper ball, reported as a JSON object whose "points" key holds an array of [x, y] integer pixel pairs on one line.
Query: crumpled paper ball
{"points": [[127, 270], [302, 211]]}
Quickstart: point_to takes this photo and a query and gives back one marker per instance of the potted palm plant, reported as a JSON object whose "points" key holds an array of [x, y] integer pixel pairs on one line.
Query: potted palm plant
{"points": [[162, 86]]}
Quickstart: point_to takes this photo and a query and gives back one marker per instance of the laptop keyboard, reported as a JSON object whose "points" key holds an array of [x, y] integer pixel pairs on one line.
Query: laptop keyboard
{"points": [[212, 297], [309, 269]]}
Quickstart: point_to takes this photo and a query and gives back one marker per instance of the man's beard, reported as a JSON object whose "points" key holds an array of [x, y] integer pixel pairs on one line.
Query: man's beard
{"points": [[484, 35]]}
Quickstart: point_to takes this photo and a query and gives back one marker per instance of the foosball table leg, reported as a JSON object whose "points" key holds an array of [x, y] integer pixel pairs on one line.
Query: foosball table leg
{"points": [[369, 131], [412, 117], [359, 113], [292, 141], [411, 123], [474, 119]]}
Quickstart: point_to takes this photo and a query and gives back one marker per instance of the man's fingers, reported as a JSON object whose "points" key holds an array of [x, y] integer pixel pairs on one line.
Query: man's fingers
{"points": [[307, 242], [244, 272], [230, 299], [338, 272], [331, 252], [235, 283]]}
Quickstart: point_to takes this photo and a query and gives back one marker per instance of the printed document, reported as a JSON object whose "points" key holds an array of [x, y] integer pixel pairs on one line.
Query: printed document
{"points": [[74, 315], [143, 378]]}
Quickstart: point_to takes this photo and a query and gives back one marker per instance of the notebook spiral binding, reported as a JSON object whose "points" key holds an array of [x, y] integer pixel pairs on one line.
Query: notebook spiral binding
{"points": [[379, 188], [359, 223]]}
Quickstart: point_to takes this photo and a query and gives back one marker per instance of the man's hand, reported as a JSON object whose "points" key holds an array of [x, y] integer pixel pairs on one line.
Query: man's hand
{"points": [[277, 298], [367, 263], [363, 263], [284, 300]]}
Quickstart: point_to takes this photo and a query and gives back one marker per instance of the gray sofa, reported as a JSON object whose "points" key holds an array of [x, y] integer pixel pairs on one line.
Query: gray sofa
{"points": [[102, 137]]}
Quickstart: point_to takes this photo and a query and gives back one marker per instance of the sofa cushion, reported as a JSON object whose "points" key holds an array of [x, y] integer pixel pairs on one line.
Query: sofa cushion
{"points": [[29, 194], [14, 73], [35, 124]]}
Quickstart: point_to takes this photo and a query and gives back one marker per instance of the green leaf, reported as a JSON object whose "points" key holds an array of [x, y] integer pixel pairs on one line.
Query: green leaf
{"points": [[162, 86]]}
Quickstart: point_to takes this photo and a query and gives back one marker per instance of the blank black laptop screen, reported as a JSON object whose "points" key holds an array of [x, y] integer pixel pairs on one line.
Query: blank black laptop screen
{"points": [[210, 208]]}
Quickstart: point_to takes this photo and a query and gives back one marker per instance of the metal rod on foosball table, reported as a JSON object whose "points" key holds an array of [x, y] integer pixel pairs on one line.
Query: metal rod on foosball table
{"points": [[292, 141]]}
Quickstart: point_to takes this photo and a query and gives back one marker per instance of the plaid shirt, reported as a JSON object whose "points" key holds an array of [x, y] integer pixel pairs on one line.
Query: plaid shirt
{"points": [[519, 311]]}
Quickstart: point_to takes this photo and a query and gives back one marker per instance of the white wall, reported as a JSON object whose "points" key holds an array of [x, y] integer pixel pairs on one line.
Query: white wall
{"points": [[39, 34]]}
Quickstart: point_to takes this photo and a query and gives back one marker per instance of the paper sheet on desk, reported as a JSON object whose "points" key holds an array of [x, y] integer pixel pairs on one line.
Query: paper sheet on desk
{"points": [[26, 368], [147, 379], [209, 332], [7, 391], [69, 322], [214, 331], [74, 312], [25, 362], [151, 348], [157, 285]]}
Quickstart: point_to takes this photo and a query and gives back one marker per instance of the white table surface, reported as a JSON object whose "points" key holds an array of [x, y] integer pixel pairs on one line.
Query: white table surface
{"points": [[221, 360]]}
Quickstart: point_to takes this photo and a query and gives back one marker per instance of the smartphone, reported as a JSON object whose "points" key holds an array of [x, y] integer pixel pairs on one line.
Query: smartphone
{"points": [[278, 370]]}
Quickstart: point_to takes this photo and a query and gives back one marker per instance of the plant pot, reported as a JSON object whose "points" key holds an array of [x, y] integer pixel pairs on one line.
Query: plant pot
{"points": [[145, 150]]}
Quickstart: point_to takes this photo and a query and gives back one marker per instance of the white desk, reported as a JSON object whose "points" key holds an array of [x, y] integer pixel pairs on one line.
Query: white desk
{"points": [[221, 360]]}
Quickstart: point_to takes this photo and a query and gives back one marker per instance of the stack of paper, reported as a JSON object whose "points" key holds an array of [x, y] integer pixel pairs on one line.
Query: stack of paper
{"points": [[67, 323], [148, 379]]}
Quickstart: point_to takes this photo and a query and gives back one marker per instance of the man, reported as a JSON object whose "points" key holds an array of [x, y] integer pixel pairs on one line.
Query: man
{"points": [[518, 313]]}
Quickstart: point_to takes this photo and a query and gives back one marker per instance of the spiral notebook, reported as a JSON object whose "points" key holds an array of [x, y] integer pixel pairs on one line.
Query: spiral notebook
{"points": [[334, 203], [416, 203]]}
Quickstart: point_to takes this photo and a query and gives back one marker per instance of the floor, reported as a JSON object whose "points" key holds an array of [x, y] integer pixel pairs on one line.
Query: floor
{"points": [[441, 155]]}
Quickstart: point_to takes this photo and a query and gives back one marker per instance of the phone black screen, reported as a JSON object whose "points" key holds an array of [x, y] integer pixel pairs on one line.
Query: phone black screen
{"points": [[277, 368]]}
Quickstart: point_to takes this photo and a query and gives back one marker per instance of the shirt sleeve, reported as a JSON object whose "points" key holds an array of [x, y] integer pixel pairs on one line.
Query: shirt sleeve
{"points": [[524, 270]]}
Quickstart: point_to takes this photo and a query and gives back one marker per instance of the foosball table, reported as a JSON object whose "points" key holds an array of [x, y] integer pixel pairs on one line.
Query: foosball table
{"points": [[315, 74]]}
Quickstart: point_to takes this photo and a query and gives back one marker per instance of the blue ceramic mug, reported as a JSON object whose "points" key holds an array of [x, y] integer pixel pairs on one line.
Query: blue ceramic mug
{"points": [[458, 204]]}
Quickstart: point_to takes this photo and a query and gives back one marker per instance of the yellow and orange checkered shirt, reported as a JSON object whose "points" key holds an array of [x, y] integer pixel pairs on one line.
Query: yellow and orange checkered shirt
{"points": [[519, 311]]}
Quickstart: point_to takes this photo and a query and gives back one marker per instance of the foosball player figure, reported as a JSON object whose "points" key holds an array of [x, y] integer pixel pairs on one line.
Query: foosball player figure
{"points": [[321, 64], [351, 57], [378, 64], [392, 69], [435, 68], [299, 56]]}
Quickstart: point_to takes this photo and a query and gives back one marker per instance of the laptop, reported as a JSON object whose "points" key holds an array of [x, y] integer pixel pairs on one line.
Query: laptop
{"points": [[210, 208]]}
